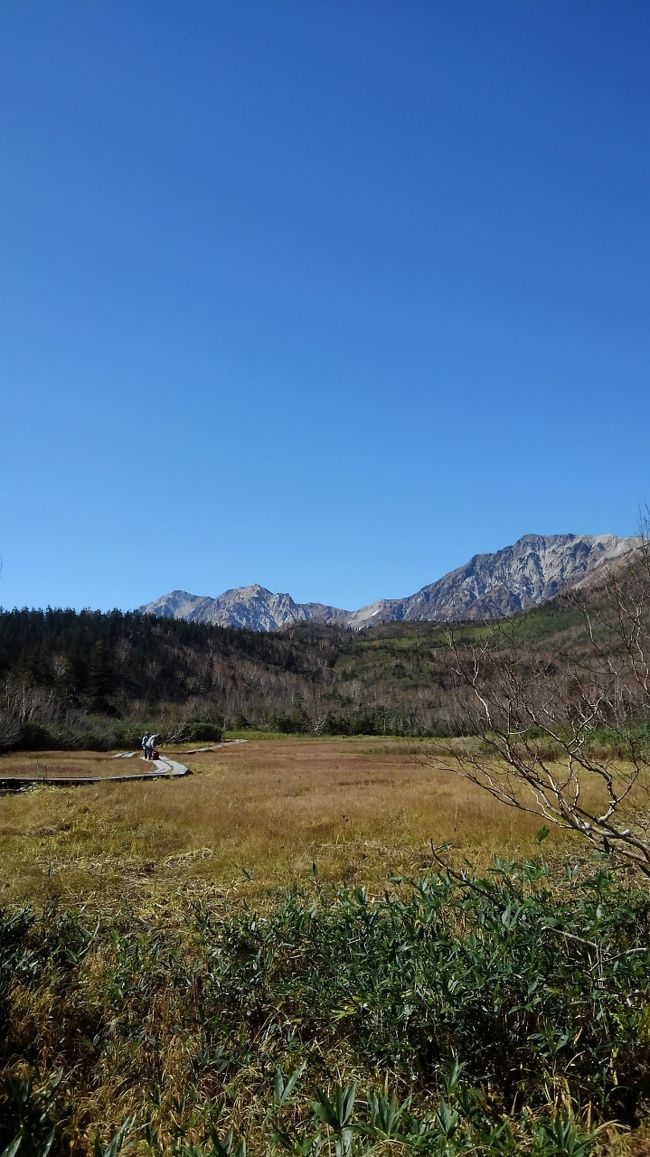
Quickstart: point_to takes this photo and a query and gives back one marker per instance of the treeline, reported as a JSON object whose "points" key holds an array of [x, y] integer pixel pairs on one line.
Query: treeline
{"points": [[85, 678], [90, 679], [102, 662]]}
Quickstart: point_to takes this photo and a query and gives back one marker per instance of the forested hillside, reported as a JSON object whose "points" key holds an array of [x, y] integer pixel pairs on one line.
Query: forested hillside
{"points": [[92, 679]]}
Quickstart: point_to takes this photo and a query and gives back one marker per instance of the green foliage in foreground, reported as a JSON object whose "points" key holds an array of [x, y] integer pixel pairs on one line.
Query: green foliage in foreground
{"points": [[487, 1015]]}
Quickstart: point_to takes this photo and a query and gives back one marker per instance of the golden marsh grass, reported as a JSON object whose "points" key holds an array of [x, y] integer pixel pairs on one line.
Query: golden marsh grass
{"points": [[45, 765], [251, 817]]}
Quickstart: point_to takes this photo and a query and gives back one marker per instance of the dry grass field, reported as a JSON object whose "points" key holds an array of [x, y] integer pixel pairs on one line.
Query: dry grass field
{"points": [[44, 766], [251, 817]]}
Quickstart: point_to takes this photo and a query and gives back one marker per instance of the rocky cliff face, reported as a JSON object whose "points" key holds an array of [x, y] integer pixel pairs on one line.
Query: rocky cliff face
{"points": [[253, 607], [489, 586]]}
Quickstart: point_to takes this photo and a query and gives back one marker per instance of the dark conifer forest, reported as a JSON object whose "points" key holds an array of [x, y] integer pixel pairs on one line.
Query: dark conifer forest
{"points": [[87, 679]]}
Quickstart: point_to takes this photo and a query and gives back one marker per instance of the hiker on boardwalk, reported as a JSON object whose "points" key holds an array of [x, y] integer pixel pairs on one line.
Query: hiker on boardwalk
{"points": [[151, 747], [144, 745]]}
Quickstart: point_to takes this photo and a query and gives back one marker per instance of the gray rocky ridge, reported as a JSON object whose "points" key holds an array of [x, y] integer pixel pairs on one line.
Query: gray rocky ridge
{"points": [[489, 586]]}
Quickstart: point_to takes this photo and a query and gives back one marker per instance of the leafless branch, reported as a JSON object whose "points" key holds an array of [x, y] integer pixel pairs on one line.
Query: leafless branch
{"points": [[540, 718]]}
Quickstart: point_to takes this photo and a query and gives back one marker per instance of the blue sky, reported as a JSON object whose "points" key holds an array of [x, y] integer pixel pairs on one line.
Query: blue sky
{"points": [[328, 296]]}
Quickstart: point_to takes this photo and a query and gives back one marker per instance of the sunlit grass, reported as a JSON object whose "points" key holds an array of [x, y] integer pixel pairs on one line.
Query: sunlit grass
{"points": [[43, 765], [251, 818]]}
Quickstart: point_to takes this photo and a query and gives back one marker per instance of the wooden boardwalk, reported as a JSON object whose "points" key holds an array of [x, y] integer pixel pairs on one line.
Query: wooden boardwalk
{"points": [[161, 768]]}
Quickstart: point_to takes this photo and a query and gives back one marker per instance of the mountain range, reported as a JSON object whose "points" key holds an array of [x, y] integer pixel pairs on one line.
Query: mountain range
{"points": [[536, 568]]}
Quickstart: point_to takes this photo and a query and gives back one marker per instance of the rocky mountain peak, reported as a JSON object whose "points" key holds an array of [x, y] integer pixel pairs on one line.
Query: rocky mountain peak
{"points": [[534, 569]]}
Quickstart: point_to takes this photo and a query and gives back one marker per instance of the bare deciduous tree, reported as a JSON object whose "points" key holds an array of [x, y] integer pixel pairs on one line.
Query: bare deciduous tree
{"points": [[566, 734], [20, 703]]}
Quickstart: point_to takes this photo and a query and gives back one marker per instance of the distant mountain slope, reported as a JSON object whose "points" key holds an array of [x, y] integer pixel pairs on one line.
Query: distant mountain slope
{"points": [[489, 586], [253, 607]]}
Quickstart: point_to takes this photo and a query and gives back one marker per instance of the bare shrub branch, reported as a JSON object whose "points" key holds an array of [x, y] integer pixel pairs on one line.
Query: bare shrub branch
{"points": [[565, 734]]}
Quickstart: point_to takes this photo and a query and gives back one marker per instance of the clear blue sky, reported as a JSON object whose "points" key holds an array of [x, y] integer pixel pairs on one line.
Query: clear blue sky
{"points": [[328, 296]]}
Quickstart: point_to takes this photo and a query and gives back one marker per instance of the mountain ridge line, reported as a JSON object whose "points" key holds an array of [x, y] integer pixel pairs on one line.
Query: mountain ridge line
{"points": [[490, 585]]}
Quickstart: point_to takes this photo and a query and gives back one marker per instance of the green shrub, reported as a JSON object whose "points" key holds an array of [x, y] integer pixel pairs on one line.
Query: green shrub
{"points": [[203, 730], [199, 730], [451, 1015], [40, 737]]}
